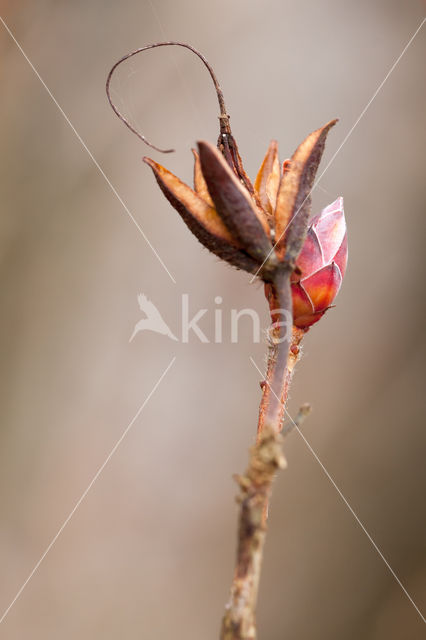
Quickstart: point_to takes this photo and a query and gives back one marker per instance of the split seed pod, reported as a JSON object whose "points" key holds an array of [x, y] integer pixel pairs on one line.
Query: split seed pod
{"points": [[255, 228], [260, 228]]}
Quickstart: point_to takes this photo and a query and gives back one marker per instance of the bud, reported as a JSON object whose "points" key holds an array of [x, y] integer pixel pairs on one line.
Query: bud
{"points": [[321, 266]]}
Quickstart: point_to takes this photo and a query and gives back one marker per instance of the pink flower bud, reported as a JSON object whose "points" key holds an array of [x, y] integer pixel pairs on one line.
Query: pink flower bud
{"points": [[322, 265]]}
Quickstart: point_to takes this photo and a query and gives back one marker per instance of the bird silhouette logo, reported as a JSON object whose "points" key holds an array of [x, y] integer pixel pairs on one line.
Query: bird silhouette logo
{"points": [[153, 320]]}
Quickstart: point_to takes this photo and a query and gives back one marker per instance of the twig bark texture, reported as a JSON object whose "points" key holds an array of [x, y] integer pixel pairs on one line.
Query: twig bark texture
{"points": [[266, 457]]}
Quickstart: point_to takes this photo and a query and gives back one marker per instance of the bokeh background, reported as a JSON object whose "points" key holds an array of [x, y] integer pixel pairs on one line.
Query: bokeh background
{"points": [[149, 552]]}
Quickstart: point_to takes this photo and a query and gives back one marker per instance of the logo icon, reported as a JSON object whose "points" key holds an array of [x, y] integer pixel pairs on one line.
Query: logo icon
{"points": [[153, 320]]}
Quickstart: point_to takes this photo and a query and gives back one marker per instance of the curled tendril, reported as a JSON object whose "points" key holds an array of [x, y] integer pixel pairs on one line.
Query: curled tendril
{"points": [[224, 117]]}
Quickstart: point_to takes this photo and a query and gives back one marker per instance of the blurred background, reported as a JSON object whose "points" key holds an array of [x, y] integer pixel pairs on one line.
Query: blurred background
{"points": [[149, 552]]}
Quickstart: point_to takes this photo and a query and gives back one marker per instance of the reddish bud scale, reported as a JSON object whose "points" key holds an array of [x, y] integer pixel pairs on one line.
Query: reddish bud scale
{"points": [[321, 266]]}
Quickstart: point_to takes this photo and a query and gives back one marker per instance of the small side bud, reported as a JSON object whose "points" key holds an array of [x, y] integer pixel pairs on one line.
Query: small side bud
{"points": [[321, 266]]}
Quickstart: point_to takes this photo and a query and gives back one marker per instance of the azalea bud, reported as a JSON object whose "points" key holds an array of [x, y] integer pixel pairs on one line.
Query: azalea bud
{"points": [[321, 266]]}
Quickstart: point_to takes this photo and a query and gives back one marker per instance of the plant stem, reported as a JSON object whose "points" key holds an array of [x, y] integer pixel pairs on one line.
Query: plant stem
{"points": [[282, 358], [266, 457]]}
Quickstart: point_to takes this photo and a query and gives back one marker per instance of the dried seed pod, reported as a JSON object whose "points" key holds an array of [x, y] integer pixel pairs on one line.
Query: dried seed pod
{"points": [[239, 222]]}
